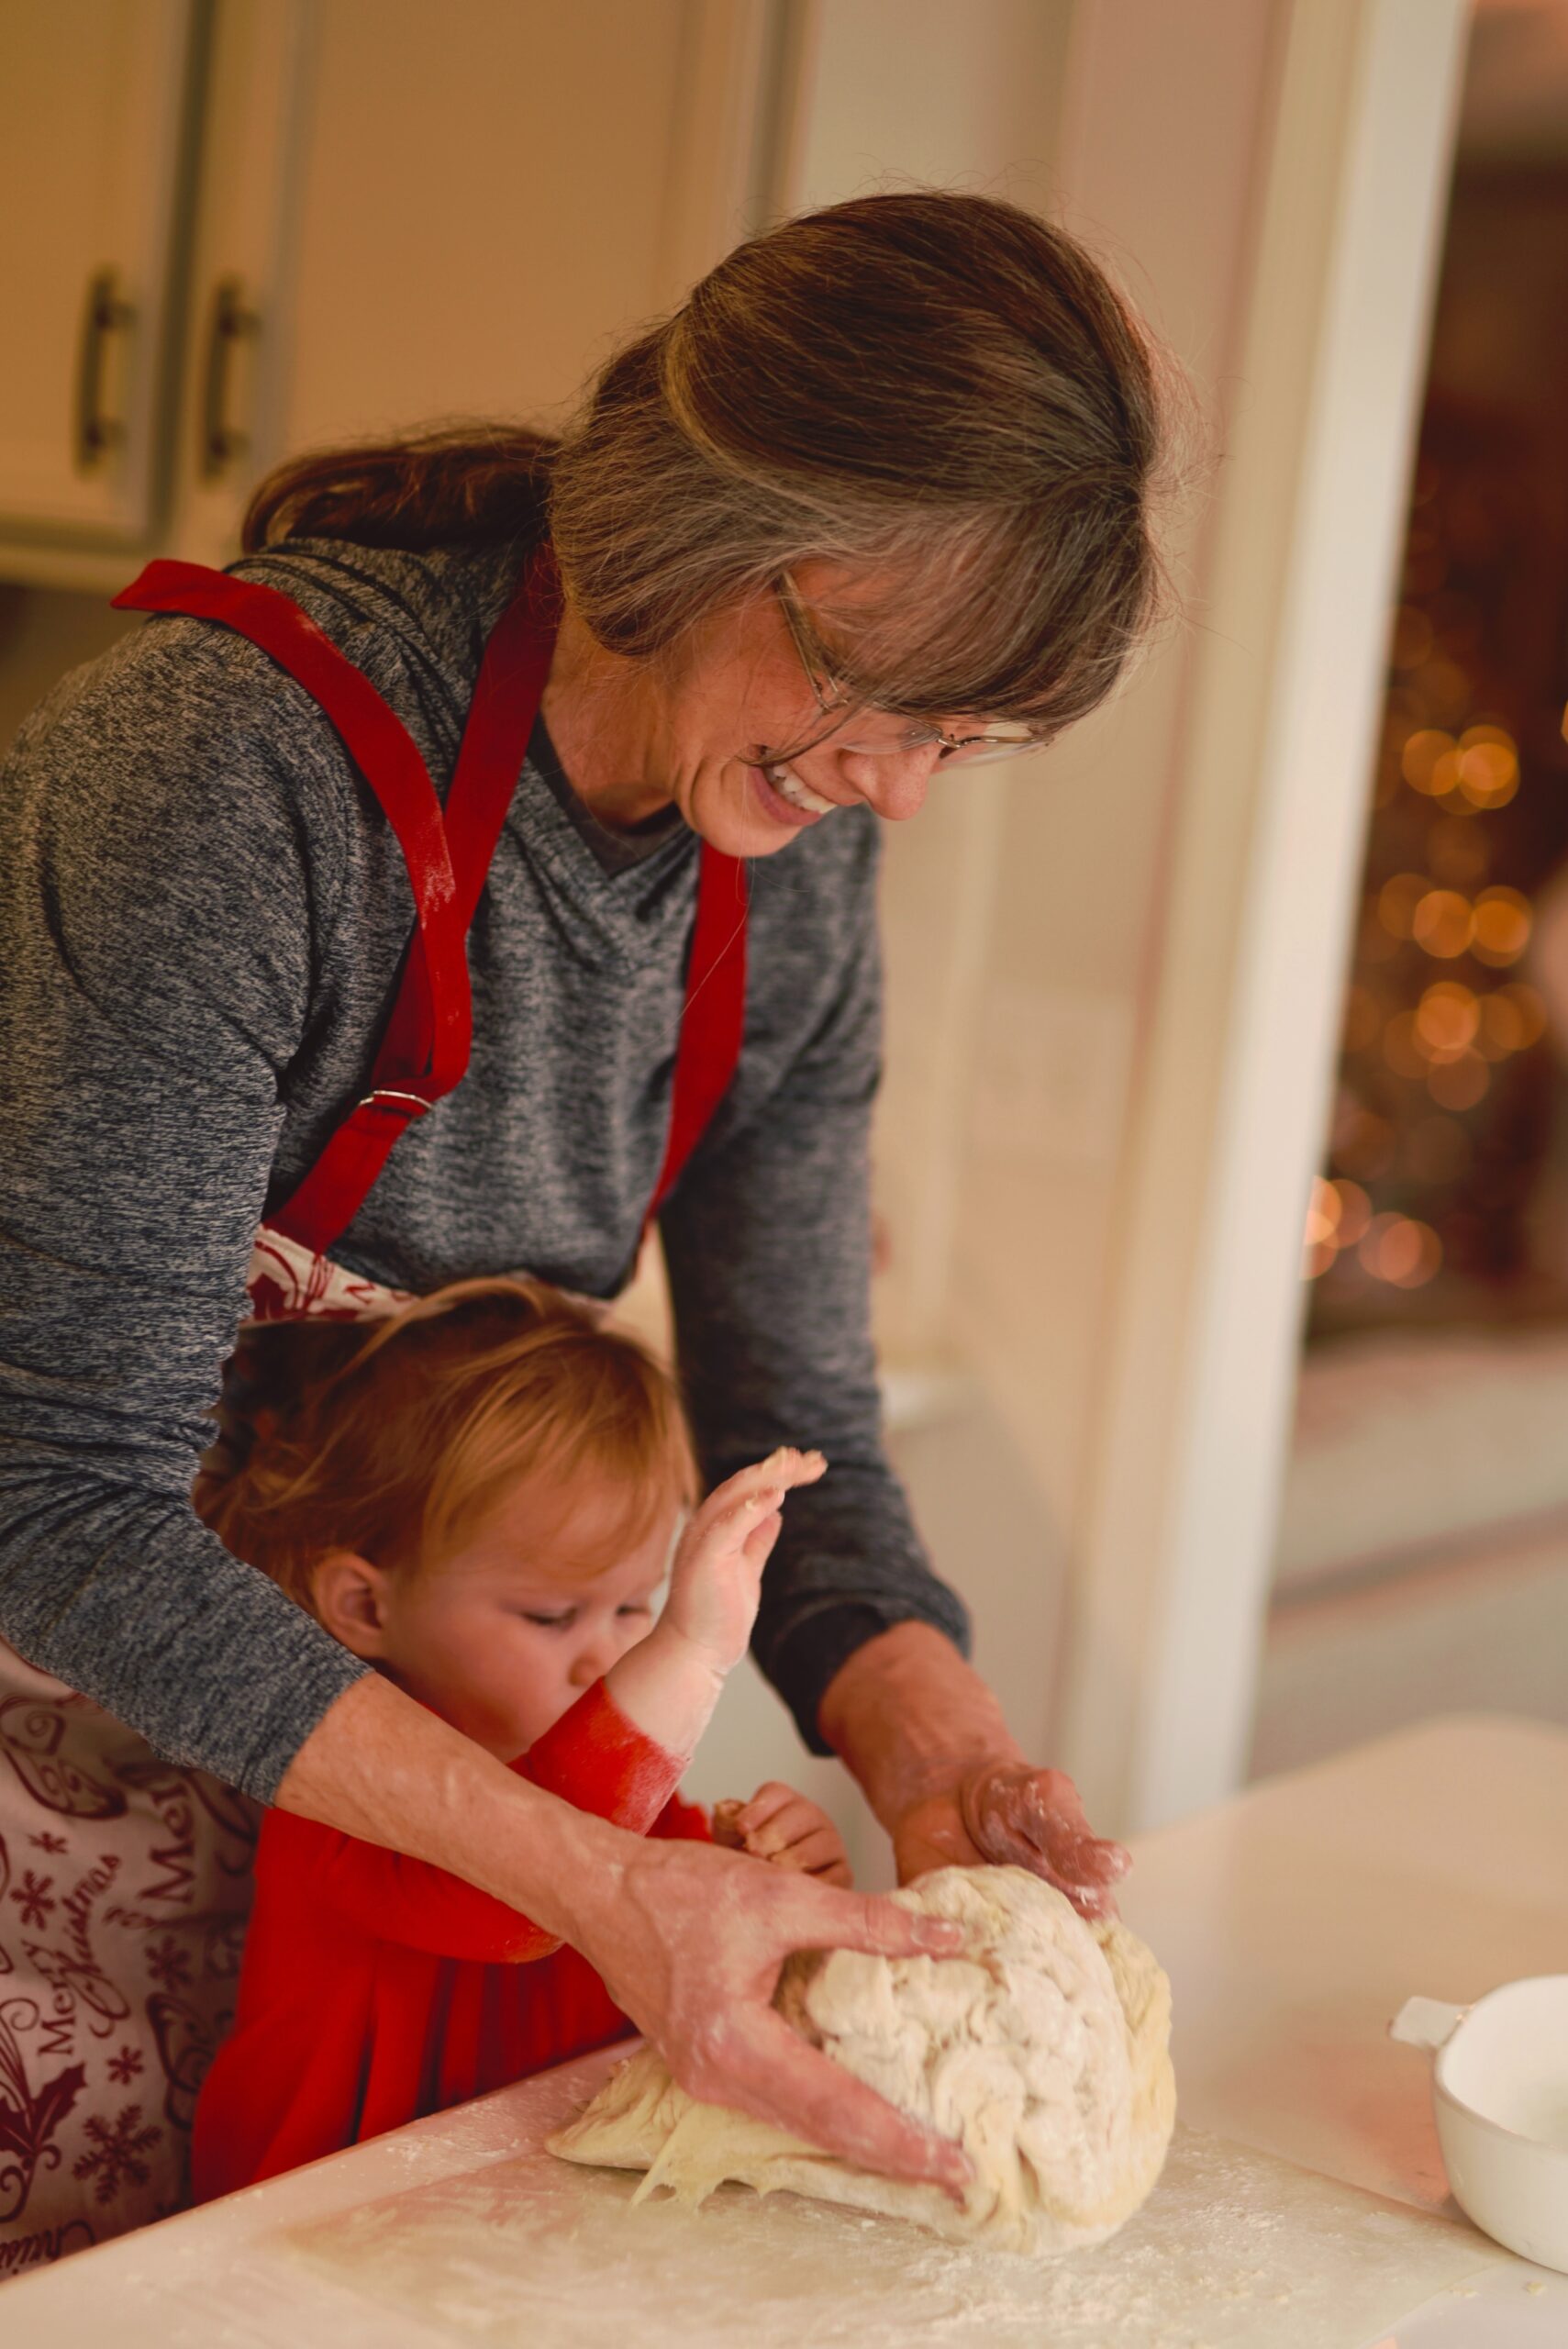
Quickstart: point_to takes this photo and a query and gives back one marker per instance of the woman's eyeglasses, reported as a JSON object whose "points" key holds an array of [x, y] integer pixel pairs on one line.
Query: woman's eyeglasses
{"points": [[1003, 741]]}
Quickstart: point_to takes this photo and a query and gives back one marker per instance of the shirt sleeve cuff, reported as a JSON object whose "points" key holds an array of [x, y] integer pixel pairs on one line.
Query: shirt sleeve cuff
{"points": [[595, 1759]]}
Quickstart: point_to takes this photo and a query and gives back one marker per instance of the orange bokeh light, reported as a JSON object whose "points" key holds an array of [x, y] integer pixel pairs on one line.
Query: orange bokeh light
{"points": [[1502, 921], [1447, 1019], [1488, 766], [1442, 923], [1459, 1084], [1429, 761], [1400, 1250], [1323, 1212]]}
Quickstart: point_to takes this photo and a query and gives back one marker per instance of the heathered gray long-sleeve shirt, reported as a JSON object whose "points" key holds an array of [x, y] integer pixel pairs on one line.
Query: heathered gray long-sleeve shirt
{"points": [[201, 913]]}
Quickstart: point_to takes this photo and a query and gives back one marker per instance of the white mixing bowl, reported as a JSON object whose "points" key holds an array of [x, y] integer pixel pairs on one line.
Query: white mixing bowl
{"points": [[1500, 2095]]}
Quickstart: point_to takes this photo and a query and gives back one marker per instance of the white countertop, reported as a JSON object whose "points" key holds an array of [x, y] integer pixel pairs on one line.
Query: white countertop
{"points": [[1293, 1921]]}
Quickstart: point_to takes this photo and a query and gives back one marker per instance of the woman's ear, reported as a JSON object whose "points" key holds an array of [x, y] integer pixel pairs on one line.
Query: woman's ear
{"points": [[349, 1596]]}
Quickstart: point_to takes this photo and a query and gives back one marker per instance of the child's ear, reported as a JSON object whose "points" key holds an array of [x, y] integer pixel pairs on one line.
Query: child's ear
{"points": [[350, 1597]]}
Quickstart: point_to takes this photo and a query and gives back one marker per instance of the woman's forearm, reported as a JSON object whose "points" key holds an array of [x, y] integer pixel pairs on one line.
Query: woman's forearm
{"points": [[381, 1767], [906, 1715]]}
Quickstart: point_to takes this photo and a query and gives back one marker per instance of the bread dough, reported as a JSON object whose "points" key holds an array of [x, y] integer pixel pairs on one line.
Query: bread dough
{"points": [[1045, 2049]]}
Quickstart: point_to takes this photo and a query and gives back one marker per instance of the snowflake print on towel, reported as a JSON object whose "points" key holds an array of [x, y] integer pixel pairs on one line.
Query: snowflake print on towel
{"points": [[116, 2156], [123, 2068], [168, 1963], [48, 1843], [32, 1898]]}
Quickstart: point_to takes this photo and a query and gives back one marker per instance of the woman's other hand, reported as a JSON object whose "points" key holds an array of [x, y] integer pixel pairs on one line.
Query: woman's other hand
{"points": [[1014, 1815], [785, 1828], [927, 1740]]}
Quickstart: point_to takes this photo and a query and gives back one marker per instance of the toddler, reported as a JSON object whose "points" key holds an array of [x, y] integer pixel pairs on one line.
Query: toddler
{"points": [[480, 1496]]}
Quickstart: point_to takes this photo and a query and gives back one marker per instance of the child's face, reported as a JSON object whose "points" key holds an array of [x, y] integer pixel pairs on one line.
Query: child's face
{"points": [[502, 1635]]}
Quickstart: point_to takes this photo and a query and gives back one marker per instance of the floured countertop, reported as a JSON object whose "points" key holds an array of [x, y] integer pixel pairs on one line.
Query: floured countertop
{"points": [[1293, 1922], [1233, 2250]]}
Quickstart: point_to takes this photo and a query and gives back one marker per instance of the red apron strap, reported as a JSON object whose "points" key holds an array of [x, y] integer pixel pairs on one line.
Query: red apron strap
{"points": [[500, 719], [425, 1049], [507, 697], [386, 756], [715, 1017]]}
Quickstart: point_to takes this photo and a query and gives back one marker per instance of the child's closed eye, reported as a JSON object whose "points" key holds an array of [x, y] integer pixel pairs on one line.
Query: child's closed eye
{"points": [[563, 1621]]}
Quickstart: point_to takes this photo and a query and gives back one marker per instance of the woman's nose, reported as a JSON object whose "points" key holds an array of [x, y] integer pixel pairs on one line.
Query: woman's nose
{"points": [[894, 787]]}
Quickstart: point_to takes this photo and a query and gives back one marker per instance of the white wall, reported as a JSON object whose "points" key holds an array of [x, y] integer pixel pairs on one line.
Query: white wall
{"points": [[1271, 756]]}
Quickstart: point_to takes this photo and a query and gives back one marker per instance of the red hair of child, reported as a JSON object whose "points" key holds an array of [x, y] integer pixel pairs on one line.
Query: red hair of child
{"points": [[394, 1437]]}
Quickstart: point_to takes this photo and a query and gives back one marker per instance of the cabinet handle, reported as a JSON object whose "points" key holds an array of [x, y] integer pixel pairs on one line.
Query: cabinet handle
{"points": [[107, 314], [232, 323]]}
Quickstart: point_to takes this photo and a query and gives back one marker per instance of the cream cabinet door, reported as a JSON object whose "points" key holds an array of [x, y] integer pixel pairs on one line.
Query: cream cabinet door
{"points": [[94, 122], [491, 193]]}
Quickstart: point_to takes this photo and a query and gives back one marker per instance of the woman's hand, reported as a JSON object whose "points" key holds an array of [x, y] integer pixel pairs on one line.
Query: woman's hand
{"points": [[717, 1578], [1013, 1815], [690, 1940], [782, 1827], [927, 1740]]}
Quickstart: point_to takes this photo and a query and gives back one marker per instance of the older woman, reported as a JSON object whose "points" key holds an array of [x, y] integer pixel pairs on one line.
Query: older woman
{"points": [[872, 504]]}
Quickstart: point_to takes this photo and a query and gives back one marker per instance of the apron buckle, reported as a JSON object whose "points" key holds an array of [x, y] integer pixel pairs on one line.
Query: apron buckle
{"points": [[402, 1104]]}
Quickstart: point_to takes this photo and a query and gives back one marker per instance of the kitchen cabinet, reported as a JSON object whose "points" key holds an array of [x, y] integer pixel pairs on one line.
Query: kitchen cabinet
{"points": [[95, 121], [310, 221]]}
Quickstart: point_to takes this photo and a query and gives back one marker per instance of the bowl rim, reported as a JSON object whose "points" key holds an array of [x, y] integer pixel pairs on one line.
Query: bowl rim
{"points": [[1445, 2094]]}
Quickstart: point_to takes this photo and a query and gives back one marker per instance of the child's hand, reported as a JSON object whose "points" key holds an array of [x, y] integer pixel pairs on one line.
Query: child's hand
{"points": [[779, 1825], [717, 1578]]}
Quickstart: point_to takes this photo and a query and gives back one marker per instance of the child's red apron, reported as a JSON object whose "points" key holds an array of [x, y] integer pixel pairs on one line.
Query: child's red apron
{"points": [[124, 1880]]}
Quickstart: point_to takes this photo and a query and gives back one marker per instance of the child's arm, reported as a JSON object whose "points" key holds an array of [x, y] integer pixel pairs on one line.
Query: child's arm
{"points": [[670, 1683], [779, 1825]]}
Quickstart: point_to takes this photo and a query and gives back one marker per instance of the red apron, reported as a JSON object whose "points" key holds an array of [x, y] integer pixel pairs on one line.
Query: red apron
{"points": [[124, 1880]]}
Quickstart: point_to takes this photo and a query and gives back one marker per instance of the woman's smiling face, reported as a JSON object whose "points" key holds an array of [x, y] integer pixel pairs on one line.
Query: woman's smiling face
{"points": [[743, 697], [703, 730]]}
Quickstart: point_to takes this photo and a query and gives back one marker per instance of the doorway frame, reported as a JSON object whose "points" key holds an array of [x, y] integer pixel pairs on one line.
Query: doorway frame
{"points": [[1171, 1566]]}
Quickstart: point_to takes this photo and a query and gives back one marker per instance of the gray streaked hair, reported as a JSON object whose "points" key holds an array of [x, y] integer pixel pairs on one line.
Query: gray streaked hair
{"points": [[938, 392]]}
